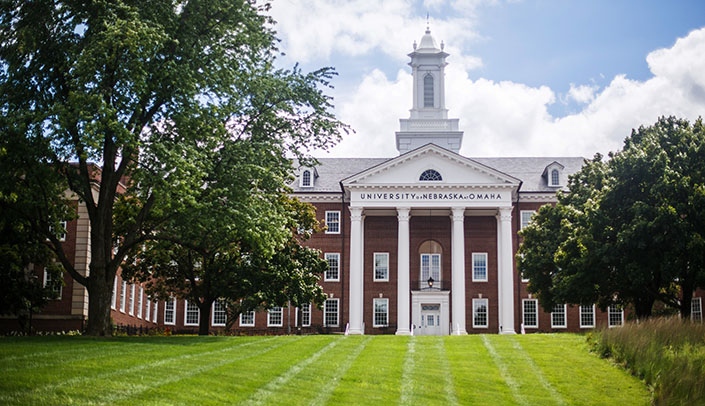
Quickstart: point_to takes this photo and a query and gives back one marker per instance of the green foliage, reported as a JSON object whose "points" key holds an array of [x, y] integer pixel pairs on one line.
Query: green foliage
{"points": [[668, 354], [123, 104], [628, 231]]}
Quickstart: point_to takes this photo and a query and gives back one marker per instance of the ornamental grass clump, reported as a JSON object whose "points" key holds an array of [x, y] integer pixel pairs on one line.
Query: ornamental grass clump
{"points": [[667, 353]]}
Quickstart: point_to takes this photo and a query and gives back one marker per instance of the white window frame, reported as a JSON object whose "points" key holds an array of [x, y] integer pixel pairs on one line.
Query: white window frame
{"points": [[436, 274], [305, 172], [148, 309], [525, 217], [61, 237], [329, 221], [58, 290], [476, 268], [219, 311], [170, 311], [326, 312], [189, 311], [123, 293], [384, 257], [535, 312], [140, 302], [380, 307], [273, 314], [591, 314], [476, 306], [554, 182], [558, 311], [155, 313], [305, 316], [614, 310], [696, 309], [250, 314], [329, 271], [113, 300], [132, 300]]}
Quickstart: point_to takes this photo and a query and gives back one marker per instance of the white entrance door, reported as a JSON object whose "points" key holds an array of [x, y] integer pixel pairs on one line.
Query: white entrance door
{"points": [[430, 320]]}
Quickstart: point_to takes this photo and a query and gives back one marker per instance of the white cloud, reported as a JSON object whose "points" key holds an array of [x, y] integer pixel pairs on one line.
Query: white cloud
{"points": [[512, 119]]}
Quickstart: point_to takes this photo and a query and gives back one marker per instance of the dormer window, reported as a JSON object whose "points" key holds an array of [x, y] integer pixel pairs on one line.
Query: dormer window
{"points": [[430, 175], [552, 174], [307, 177]]}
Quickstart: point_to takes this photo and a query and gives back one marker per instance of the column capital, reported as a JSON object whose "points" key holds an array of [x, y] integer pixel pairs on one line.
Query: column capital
{"points": [[403, 213], [355, 213], [458, 213], [505, 214]]}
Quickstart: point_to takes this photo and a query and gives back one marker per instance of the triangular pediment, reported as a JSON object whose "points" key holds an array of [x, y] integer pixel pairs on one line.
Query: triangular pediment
{"points": [[407, 170]]}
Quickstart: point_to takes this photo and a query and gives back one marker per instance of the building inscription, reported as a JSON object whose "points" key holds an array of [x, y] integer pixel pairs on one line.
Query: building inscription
{"points": [[414, 196]]}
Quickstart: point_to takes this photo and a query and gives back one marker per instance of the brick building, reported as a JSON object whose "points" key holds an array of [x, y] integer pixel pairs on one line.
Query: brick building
{"points": [[420, 243]]}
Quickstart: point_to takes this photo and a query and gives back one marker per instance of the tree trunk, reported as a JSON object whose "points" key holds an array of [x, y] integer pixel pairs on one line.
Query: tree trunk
{"points": [[99, 296], [643, 307], [204, 321]]}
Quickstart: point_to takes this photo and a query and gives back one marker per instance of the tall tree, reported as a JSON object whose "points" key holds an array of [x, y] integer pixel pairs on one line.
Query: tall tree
{"points": [[130, 97], [629, 231]]}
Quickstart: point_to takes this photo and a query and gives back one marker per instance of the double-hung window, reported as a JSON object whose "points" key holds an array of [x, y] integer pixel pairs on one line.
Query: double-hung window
{"points": [[193, 313], [275, 317], [381, 312], [132, 300], [587, 316], [333, 222], [430, 269], [330, 313], [381, 266], [247, 319], [170, 311], [479, 267], [123, 292], [305, 315], [220, 315], [140, 303], [333, 272], [615, 316], [696, 309], [480, 313], [558, 316], [530, 315], [53, 284]]}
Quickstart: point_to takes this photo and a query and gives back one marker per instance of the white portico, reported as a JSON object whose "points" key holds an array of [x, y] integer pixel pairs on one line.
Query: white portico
{"points": [[431, 180]]}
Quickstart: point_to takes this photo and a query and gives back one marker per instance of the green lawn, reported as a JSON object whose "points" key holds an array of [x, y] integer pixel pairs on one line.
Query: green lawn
{"points": [[294, 370]]}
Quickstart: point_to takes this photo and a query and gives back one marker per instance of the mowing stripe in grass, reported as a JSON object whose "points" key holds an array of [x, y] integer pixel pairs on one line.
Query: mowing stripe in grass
{"points": [[448, 387], [407, 382], [259, 397], [504, 371], [83, 380], [325, 393], [537, 372], [187, 373]]}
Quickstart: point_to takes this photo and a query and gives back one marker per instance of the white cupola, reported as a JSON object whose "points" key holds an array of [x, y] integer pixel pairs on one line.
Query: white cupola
{"points": [[428, 121]]}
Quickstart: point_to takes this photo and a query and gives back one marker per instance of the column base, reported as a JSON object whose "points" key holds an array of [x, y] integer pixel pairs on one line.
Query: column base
{"points": [[508, 332], [459, 333], [352, 332], [403, 332]]}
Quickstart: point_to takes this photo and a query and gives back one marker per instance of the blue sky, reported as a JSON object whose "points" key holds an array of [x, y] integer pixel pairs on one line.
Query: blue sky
{"points": [[525, 77]]}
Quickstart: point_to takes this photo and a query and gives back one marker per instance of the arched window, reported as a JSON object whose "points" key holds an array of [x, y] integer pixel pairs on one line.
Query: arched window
{"points": [[306, 178], [555, 177], [428, 90], [430, 175]]}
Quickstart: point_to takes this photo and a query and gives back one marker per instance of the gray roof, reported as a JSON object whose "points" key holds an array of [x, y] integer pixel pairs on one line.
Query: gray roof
{"points": [[330, 171]]}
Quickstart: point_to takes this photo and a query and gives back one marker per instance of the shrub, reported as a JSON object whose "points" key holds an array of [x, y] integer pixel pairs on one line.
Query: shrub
{"points": [[667, 353]]}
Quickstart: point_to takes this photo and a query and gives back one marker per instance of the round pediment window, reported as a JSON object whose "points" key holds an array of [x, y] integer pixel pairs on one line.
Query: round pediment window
{"points": [[430, 175]]}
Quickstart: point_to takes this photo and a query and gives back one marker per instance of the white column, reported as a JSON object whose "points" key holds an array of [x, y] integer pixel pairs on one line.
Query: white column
{"points": [[403, 289], [458, 271], [356, 271], [506, 271]]}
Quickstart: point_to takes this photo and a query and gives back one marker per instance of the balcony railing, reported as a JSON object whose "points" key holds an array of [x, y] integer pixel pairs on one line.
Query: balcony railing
{"points": [[424, 286]]}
